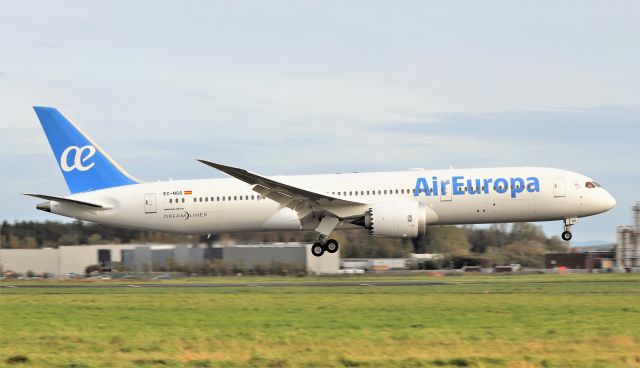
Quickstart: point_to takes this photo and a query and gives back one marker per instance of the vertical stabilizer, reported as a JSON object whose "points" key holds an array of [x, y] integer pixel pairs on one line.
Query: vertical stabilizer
{"points": [[84, 165]]}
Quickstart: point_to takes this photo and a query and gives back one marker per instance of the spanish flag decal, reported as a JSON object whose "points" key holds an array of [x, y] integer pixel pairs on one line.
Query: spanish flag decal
{"points": [[187, 192]]}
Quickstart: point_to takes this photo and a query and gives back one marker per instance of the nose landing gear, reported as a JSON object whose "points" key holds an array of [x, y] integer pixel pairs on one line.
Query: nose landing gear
{"points": [[566, 234]]}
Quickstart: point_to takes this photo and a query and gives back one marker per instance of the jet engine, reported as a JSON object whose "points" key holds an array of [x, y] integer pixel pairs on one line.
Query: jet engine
{"points": [[406, 219]]}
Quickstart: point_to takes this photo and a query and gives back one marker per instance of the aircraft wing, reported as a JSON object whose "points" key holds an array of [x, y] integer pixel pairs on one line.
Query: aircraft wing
{"points": [[285, 194]]}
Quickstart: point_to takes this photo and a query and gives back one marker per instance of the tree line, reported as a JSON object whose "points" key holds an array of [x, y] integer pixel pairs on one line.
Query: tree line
{"points": [[522, 243]]}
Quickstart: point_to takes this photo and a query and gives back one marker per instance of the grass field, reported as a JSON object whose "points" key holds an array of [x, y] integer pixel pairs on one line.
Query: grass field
{"points": [[491, 321]]}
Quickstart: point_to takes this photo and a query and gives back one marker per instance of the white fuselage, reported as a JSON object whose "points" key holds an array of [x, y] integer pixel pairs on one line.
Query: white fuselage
{"points": [[210, 206]]}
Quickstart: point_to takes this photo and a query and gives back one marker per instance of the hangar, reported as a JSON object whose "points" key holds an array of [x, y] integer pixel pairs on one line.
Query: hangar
{"points": [[154, 257]]}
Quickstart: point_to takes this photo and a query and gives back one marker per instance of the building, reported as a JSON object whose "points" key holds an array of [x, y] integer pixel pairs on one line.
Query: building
{"points": [[628, 242], [145, 257], [263, 254], [63, 260], [587, 260]]}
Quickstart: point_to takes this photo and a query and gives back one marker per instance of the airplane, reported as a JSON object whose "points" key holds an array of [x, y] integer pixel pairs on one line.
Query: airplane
{"points": [[398, 204]]}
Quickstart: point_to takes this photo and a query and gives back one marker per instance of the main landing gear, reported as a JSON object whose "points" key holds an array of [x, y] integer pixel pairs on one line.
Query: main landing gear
{"points": [[329, 246], [566, 234], [324, 229]]}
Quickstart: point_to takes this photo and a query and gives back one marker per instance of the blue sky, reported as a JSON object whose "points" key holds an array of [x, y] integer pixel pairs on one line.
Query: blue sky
{"points": [[318, 87]]}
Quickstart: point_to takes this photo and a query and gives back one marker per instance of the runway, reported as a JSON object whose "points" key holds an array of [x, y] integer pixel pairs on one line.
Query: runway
{"points": [[232, 285]]}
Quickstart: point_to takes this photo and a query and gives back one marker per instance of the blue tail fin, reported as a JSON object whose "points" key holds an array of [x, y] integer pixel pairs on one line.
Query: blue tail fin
{"points": [[84, 165]]}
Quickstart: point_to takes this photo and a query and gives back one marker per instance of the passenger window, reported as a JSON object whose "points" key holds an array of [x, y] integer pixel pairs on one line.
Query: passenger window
{"points": [[235, 198], [170, 200], [229, 198], [367, 192], [396, 191], [182, 200], [206, 199], [195, 199], [385, 191], [246, 197]]}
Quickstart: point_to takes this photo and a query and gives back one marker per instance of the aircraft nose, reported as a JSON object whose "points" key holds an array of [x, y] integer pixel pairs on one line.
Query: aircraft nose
{"points": [[610, 202]]}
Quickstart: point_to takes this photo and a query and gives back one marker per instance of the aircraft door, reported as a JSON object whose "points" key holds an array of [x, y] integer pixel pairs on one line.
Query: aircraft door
{"points": [[150, 203], [559, 189]]}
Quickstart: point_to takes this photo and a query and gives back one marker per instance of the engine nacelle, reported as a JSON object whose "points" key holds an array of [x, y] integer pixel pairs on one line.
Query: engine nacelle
{"points": [[406, 219]]}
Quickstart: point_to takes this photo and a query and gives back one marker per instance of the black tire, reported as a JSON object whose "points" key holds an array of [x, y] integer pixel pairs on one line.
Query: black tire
{"points": [[566, 235], [317, 249], [331, 246]]}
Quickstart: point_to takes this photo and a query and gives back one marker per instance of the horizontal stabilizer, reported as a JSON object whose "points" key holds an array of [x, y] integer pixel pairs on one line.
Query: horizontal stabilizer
{"points": [[65, 200]]}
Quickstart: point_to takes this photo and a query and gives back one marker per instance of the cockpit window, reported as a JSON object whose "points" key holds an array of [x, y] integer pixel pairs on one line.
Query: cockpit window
{"points": [[592, 184]]}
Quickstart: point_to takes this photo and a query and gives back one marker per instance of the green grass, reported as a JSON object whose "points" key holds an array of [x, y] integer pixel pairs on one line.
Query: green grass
{"points": [[481, 321]]}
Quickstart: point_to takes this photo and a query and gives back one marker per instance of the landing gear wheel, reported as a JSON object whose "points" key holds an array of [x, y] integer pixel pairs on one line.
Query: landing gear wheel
{"points": [[317, 249], [566, 235], [331, 246]]}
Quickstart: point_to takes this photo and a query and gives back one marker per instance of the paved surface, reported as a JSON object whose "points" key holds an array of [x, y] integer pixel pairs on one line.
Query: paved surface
{"points": [[226, 285]]}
